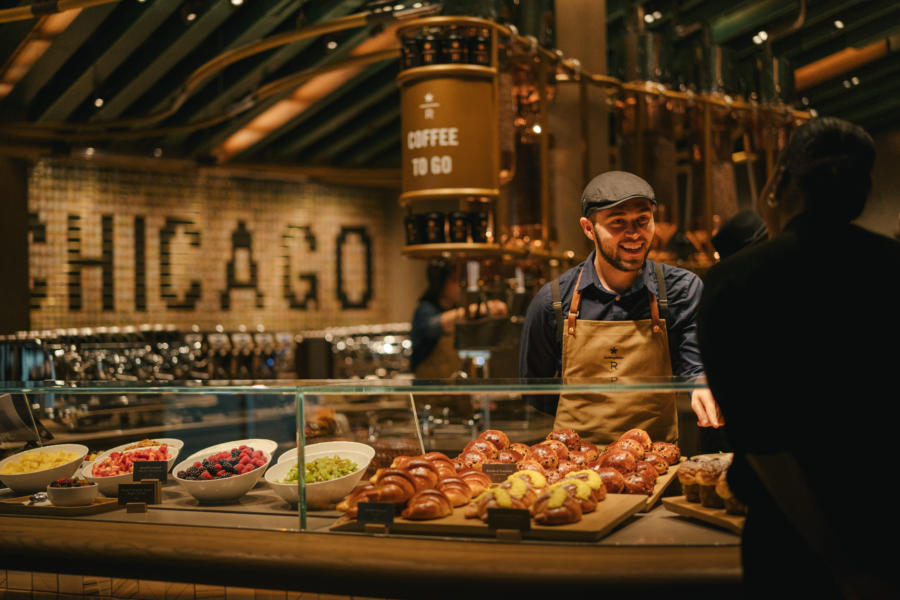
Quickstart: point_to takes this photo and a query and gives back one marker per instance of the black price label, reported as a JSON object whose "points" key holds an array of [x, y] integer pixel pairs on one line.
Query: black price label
{"points": [[509, 518], [499, 472], [381, 513], [137, 492], [151, 469]]}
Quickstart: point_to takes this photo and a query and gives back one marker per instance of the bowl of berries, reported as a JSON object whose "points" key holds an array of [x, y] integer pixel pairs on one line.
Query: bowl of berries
{"points": [[69, 491], [225, 472], [116, 465]]}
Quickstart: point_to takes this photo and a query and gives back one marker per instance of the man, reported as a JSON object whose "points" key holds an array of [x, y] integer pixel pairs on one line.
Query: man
{"points": [[617, 315]]}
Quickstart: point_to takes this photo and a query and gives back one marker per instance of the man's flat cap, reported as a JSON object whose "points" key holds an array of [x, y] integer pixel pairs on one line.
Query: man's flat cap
{"points": [[611, 188]]}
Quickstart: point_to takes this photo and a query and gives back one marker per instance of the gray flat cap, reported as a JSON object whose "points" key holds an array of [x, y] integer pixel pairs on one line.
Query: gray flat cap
{"points": [[612, 188]]}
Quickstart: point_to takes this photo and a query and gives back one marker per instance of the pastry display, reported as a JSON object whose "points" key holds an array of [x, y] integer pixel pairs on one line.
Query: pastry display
{"points": [[558, 479]]}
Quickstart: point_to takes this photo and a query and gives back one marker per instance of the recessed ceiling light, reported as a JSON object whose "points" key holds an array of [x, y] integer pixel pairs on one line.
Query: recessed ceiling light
{"points": [[88, 151], [98, 102], [332, 45], [191, 16], [757, 40], [854, 80], [763, 35], [847, 83], [648, 18], [157, 152], [838, 24], [536, 128], [657, 14], [237, 2]]}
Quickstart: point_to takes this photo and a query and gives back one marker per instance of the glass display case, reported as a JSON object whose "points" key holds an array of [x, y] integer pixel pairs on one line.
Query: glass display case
{"points": [[367, 424]]}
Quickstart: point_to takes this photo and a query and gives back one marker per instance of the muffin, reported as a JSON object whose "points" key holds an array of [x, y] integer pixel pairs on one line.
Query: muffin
{"points": [[687, 475], [707, 478]]}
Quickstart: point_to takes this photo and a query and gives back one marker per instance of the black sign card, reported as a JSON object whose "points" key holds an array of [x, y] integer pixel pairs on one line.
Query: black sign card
{"points": [[151, 469], [138, 492], [509, 518], [381, 513], [499, 472]]}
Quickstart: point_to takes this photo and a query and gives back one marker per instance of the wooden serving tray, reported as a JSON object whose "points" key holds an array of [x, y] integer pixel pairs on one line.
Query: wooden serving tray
{"points": [[610, 513], [714, 516], [662, 482], [18, 506]]}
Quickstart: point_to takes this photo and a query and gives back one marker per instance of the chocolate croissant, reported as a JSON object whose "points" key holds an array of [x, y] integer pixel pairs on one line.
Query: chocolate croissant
{"points": [[629, 445], [591, 451], [562, 451], [483, 446], [545, 456], [636, 483], [472, 458], [661, 464], [669, 451], [428, 504], [569, 437], [556, 506]]}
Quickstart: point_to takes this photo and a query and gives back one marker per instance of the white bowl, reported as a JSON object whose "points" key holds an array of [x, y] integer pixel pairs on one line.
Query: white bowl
{"points": [[229, 488], [37, 481], [325, 493], [72, 496], [109, 484], [289, 492]]}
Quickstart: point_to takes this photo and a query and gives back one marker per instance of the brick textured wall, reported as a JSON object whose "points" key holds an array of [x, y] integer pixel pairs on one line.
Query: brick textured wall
{"points": [[114, 247]]}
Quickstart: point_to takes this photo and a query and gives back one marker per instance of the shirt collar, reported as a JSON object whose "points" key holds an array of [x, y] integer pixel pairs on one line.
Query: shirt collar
{"points": [[647, 279]]}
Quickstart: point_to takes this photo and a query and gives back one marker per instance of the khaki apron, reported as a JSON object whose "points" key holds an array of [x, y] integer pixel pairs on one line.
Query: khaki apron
{"points": [[443, 361], [609, 351]]}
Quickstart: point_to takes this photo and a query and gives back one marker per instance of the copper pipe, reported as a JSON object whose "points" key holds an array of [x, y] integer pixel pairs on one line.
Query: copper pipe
{"points": [[838, 63]]}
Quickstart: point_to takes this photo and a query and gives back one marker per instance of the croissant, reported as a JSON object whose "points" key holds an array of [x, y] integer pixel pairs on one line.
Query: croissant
{"points": [[428, 504], [365, 493], [620, 460], [569, 437], [441, 463], [483, 446], [423, 473], [491, 498], [401, 461], [476, 480], [635, 483], [613, 480], [395, 486], [556, 506], [496, 437], [457, 490], [640, 436]]}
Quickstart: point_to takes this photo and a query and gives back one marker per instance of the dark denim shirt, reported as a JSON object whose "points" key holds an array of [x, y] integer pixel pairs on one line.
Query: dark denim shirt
{"points": [[540, 353]]}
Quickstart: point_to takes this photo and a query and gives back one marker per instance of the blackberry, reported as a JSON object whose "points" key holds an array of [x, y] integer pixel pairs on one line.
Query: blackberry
{"points": [[182, 474], [193, 471], [235, 452], [212, 470], [230, 468]]}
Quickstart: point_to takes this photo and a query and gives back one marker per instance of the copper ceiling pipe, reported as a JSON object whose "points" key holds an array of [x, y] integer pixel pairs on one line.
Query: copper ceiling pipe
{"points": [[839, 63]]}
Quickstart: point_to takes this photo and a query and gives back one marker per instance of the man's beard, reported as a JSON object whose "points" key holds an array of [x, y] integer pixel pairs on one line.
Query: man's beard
{"points": [[616, 262]]}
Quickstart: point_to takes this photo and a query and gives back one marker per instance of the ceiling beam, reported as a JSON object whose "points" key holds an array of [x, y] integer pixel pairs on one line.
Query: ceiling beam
{"points": [[216, 97], [386, 138], [338, 118], [325, 153], [57, 55], [174, 48]]}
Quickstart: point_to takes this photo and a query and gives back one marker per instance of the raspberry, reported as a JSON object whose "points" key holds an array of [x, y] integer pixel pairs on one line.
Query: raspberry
{"points": [[206, 475]]}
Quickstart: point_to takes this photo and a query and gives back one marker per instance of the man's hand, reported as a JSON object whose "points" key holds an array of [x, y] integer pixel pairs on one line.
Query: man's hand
{"points": [[706, 409]]}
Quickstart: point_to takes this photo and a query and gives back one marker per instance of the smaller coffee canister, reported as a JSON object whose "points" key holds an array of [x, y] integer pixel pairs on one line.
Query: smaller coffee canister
{"points": [[479, 221], [434, 228], [459, 226], [414, 229]]}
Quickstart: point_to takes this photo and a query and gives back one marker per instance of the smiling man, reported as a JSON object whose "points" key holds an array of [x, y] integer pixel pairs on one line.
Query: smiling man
{"points": [[617, 315]]}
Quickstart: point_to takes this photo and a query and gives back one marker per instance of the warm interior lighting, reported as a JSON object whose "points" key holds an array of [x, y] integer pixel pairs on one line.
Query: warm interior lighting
{"points": [[33, 47], [301, 99]]}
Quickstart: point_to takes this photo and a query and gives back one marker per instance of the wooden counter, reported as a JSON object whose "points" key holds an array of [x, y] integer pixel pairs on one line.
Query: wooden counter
{"points": [[374, 566]]}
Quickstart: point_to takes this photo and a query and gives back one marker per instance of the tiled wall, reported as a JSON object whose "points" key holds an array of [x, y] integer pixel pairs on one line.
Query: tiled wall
{"points": [[120, 247], [15, 585]]}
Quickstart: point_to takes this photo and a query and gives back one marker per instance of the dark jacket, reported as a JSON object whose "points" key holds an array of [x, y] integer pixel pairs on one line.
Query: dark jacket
{"points": [[799, 339]]}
